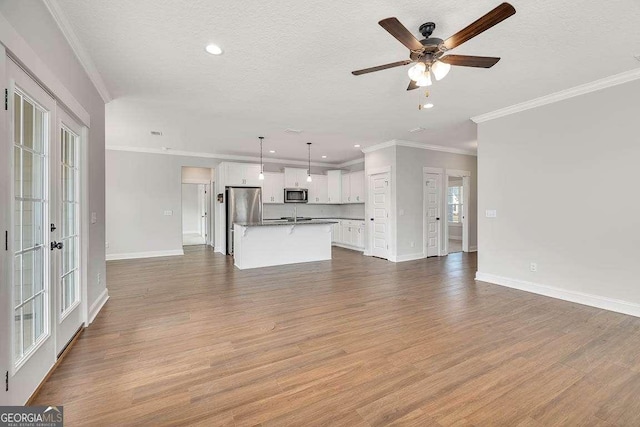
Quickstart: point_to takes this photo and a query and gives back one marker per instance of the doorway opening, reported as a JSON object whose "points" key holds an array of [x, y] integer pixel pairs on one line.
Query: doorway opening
{"points": [[197, 213], [457, 203], [455, 194]]}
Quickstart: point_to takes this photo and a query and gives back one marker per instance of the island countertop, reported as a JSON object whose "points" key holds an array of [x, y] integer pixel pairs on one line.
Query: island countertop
{"points": [[268, 223]]}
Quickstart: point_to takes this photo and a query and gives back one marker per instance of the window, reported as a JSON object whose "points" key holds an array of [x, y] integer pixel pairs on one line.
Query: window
{"points": [[454, 205]]}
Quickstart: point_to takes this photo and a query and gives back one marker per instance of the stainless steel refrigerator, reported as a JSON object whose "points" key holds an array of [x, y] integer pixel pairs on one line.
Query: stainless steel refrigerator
{"points": [[244, 204]]}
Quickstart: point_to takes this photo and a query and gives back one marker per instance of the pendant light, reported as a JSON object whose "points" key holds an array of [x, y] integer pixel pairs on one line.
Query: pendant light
{"points": [[261, 176], [309, 170]]}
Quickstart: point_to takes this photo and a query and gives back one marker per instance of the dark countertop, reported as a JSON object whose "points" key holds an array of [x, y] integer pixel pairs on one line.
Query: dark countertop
{"points": [[323, 218], [284, 222]]}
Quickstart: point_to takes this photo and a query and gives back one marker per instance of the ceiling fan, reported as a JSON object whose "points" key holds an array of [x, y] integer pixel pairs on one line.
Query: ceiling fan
{"points": [[429, 54]]}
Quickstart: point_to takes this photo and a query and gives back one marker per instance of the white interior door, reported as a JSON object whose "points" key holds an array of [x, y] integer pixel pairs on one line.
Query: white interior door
{"points": [[432, 211], [65, 228], [31, 136], [379, 196]]}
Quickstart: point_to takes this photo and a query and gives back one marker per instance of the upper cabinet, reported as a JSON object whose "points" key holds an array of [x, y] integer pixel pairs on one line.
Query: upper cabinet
{"points": [[242, 174], [352, 190], [318, 189], [295, 178], [356, 186], [334, 186], [273, 187]]}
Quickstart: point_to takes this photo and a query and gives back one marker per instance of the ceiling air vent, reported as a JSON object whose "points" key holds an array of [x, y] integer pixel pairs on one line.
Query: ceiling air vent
{"points": [[292, 130], [156, 133]]}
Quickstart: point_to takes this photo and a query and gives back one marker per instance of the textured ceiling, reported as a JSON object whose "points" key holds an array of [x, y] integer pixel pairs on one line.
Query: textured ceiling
{"points": [[286, 64]]}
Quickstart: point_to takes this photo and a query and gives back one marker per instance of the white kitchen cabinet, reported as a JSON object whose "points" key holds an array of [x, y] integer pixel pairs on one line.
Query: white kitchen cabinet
{"points": [[318, 191], [336, 233], [349, 233], [345, 233], [359, 238], [242, 174], [334, 187], [346, 188], [295, 178], [356, 187], [273, 188]]}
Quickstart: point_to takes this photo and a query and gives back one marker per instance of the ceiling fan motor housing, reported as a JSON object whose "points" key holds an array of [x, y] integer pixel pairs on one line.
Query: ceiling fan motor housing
{"points": [[426, 29]]}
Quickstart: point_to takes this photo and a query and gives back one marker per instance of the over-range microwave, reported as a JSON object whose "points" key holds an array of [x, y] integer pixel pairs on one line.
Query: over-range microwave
{"points": [[296, 195]]}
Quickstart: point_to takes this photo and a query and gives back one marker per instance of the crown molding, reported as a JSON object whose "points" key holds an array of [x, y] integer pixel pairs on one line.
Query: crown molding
{"points": [[351, 163], [596, 85], [77, 47], [411, 144], [228, 157]]}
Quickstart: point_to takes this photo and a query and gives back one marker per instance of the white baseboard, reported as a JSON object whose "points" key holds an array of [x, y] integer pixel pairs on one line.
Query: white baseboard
{"points": [[409, 257], [97, 305], [154, 254], [473, 249], [353, 248], [597, 301]]}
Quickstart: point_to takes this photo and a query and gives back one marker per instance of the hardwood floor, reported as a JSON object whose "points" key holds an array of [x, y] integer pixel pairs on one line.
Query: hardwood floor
{"points": [[355, 341]]}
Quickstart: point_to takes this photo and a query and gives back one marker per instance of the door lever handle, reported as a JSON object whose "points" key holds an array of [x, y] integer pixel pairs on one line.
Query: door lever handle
{"points": [[56, 245]]}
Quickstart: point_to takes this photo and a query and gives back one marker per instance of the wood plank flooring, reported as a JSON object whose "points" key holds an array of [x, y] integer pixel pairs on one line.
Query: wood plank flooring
{"points": [[355, 341]]}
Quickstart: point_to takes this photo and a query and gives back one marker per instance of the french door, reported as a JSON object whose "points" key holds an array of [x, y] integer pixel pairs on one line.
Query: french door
{"points": [[65, 227], [44, 238]]}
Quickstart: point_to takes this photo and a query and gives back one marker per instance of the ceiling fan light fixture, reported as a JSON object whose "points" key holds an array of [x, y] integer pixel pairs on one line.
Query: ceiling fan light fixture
{"points": [[440, 69], [424, 80], [416, 71]]}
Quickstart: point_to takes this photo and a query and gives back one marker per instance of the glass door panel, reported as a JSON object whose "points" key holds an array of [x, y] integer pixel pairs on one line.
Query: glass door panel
{"points": [[30, 296], [69, 277]]}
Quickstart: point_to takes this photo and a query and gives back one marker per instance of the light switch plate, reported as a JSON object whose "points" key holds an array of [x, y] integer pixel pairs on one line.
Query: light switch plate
{"points": [[168, 213], [94, 217], [491, 213]]}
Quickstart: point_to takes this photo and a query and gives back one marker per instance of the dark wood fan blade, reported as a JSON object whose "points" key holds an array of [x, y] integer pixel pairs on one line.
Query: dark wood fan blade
{"points": [[381, 67], [400, 32], [492, 18], [470, 61], [412, 85]]}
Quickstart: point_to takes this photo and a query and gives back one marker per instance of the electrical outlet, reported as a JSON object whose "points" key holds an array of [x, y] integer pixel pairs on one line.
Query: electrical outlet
{"points": [[94, 217], [106, 245], [99, 278], [533, 266], [492, 213], [413, 244], [168, 213]]}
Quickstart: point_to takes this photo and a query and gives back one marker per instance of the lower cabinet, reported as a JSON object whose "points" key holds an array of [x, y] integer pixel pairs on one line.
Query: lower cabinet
{"points": [[348, 233]]}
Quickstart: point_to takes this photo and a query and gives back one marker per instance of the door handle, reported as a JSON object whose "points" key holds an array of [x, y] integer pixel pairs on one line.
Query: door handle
{"points": [[56, 245], [437, 219], [371, 219], [53, 227]]}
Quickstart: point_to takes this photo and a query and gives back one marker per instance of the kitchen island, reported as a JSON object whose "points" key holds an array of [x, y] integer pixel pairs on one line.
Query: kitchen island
{"points": [[269, 243]]}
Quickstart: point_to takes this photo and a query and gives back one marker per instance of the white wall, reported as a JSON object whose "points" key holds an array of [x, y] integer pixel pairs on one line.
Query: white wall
{"points": [[140, 188], [554, 174], [411, 162], [191, 209], [195, 175]]}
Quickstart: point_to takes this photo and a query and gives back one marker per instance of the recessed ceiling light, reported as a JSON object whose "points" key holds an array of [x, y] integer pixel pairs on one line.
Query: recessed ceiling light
{"points": [[324, 157], [428, 105], [418, 129], [272, 151], [156, 133], [213, 49], [357, 146], [290, 130]]}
